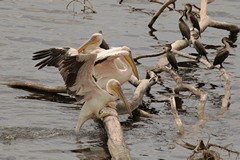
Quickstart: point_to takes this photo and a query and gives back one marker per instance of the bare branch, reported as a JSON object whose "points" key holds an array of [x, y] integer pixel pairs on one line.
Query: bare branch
{"points": [[116, 143], [227, 95], [90, 7], [176, 116], [224, 25], [139, 92], [147, 56], [158, 13], [160, 2], [37, 87]]}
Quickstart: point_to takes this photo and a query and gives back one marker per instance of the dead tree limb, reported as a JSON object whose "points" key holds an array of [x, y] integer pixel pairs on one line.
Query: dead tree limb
{"points": [[224, 25], [89, 6], [180, 86], [35, 87], [160, 2], [227, 95], [139, 92], [158, 13], [116, 143], [176, 116]]}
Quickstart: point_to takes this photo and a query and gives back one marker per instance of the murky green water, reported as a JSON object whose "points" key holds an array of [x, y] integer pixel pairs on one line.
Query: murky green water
{"points": [[39, 129]]}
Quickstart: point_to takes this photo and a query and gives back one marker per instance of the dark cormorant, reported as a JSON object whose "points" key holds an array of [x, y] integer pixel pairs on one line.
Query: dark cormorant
{"points": [[223, 53], [183, 26], [199, 47], [171, 57], [189, 15]]}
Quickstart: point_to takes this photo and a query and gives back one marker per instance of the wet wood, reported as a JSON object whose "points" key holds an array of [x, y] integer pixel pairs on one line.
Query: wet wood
{"points": [[176, 116], [224, 25], [181, 86], [137, 98], [158, 13], [35, 87], [227, 95], [202, 151], [116, 143], [86, 6]]}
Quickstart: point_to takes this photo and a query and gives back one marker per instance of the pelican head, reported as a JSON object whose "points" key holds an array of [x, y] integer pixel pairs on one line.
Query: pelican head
{"points": [[226, 40], [114, 88], [94, 42]]}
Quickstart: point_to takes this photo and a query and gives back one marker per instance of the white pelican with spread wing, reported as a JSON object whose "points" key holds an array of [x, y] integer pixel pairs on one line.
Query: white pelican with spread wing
{"points": [[109, 68], [120, 68], [76, 70]]}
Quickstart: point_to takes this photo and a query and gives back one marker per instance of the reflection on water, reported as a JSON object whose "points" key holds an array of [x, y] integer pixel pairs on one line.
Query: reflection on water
{"points": [[41, 126]]}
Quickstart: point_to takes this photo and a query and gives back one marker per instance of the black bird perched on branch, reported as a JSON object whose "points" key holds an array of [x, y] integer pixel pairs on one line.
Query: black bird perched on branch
{"points": [[199, 47], [223, 53], [189, 15], [171, 57], [183, 27]]}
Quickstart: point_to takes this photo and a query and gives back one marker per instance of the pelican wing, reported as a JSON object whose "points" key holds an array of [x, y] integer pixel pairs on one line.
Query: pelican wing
{"points": [[53, 56], [111, 54], [77, 74]]}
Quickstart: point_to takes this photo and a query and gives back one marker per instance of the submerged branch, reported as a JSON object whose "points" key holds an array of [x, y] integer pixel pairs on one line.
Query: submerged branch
{"points": [[158, 13], [180, 86], [160, 2], [35, 87], [227, 95], [176, 116], [148, 56], [90, 7]]}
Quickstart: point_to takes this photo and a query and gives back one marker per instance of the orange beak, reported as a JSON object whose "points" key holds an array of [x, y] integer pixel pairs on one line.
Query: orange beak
{"points": [[118, 90], [130, 60]]}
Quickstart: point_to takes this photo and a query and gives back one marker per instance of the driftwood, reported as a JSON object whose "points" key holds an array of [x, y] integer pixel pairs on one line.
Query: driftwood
{"points": [[35, 87], [180, 86], [157, 14], [87, 5], [202, 151]]}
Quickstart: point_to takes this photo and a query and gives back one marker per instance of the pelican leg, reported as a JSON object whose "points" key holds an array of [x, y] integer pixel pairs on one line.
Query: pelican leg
{"points": [[83, 117]]}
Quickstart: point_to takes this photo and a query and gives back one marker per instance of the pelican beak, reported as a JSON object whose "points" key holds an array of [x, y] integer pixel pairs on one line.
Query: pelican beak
{"points": [[91, 41], [118, 90], [132, 64]]}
